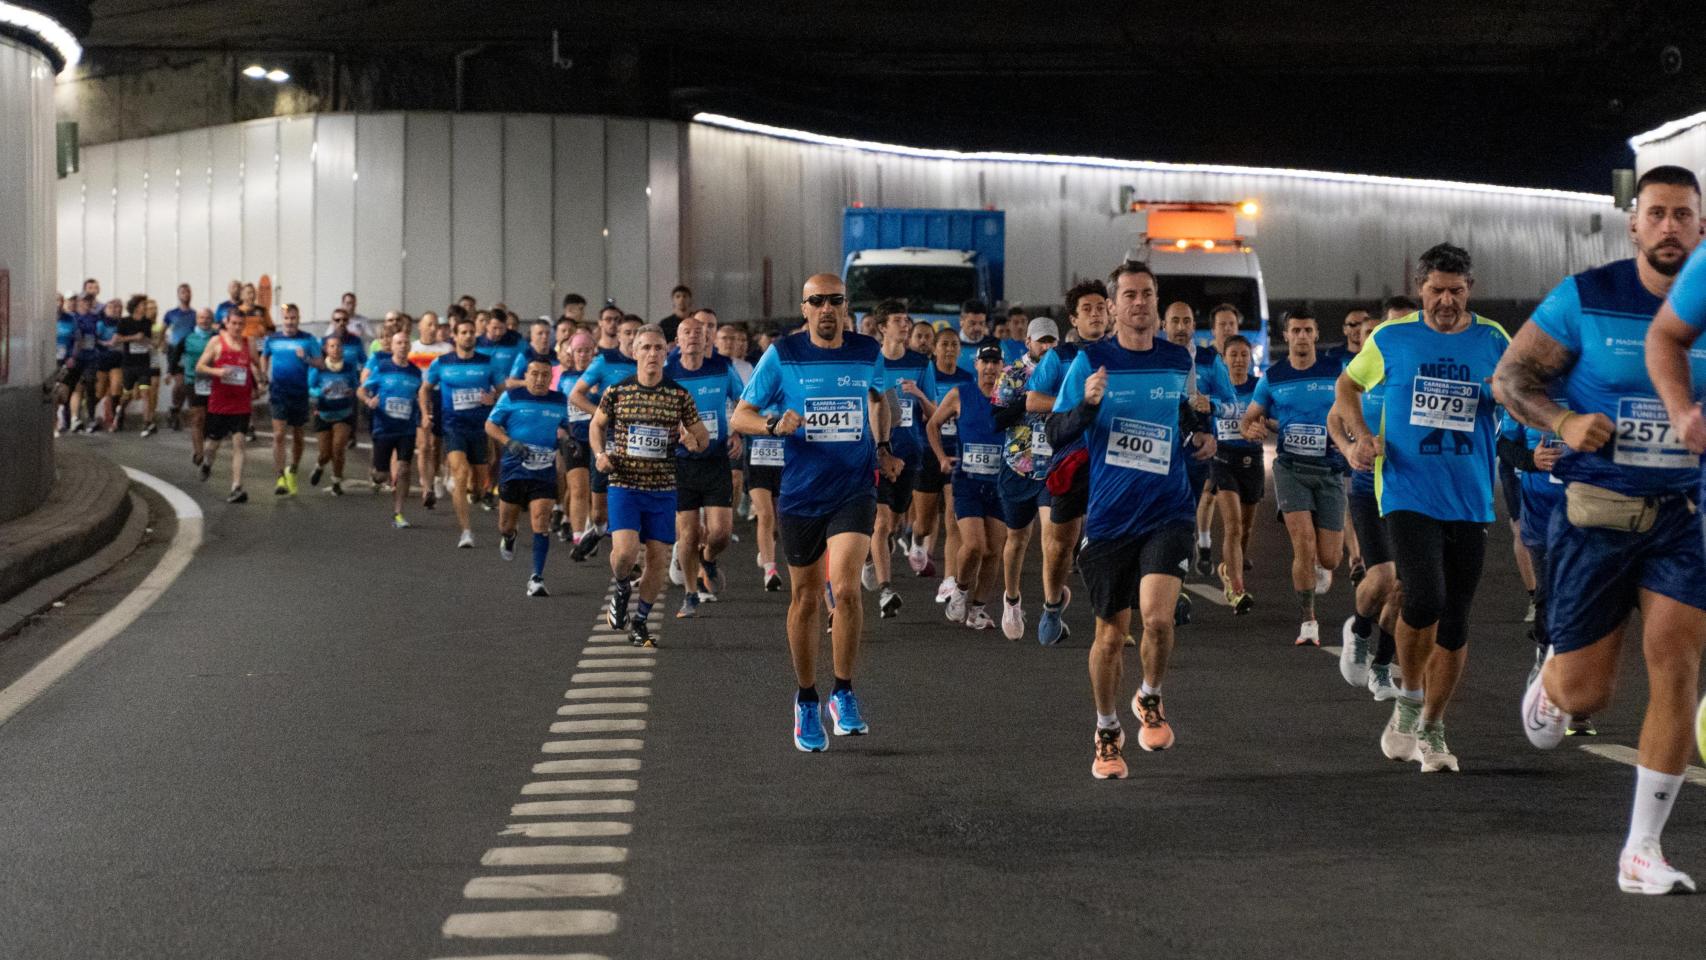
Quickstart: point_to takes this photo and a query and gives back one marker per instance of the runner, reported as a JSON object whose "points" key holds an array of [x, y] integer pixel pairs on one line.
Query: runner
{"points": [[1069, 474], [702, 483], [1357, 326], [829, 386], [134, 341], [934, 494], [977, 501], [467, 387], [1025, 460], [1629, 536], [1211, 390], [287, 356], [974, 333], [229, 361], [331, 390], [574, 356], [429, 448], [1296, 393], [531, 423], [1433, 458], [906, 370], [1532, 454], [1129, 399], [180, 320], [201, 388], [1224, 321], [765, 458], [1239, 477], [634, 435], [607, 369], [110, 381], [391, 389]]}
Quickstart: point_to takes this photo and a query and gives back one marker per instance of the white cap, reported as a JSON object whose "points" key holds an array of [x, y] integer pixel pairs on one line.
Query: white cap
{"points": [[1042, 327]]}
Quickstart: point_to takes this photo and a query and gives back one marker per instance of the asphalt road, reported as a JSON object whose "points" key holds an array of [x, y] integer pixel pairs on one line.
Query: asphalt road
{"points": [[315, 744]]}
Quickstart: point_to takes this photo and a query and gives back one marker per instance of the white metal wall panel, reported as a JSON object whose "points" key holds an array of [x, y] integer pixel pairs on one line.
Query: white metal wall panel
{"points": [[723, 265], [476, 207], [663, 215], [334, 207], [527, 287], [192, 219], [98, 173], [578, 208], [296, 216], [69, 193], [261, 203], [1685, 149], [426, 217], [161, 266], [130, 220], [625, 172], [378, 218], [225, 206]]}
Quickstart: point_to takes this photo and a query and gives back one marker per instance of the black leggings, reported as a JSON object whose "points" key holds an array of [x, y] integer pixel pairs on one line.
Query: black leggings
{"points": [[1542, 595], [1439, 563]]}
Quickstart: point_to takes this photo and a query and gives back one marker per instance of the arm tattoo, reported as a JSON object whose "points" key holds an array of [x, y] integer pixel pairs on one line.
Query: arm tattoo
{"points": [[1530, 365]]}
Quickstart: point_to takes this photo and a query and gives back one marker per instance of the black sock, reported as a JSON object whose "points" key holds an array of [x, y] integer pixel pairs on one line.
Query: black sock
{"points": [[1362, 626], [886, 586], [841, 685], [807, 694], [1010, 600], [1387, 649]]}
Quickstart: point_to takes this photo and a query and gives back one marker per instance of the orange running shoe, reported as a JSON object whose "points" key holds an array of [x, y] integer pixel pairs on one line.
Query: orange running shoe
{"points": [[1109, 764], [1156, 733]]}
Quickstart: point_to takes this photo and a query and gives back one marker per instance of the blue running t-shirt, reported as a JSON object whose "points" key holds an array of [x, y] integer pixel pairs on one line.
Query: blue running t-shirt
{"points": [[1439, 423], [980, 442], [1226, 419], [462, 385], [397, 387], [288, 371], [333, 391], [1299, 400], [534, 421], [936, 386], [711, 386], [832, 457], [503, 351], [906, 440]]}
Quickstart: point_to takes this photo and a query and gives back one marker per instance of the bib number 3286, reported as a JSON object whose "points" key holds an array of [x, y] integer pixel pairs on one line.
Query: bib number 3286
{"points": [[1140, 445]]}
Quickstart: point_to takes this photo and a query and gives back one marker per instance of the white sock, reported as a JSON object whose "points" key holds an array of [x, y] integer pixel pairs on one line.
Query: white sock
{"points": [[951, 582], [1415, 695], [1204, 540], [1107, 721], [1145, 689], [1654, 794]]}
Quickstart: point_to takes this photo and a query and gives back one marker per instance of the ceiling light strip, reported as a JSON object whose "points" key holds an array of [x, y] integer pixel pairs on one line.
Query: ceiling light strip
{"points": [[926, 153], [48, 29], [1667, 130]]}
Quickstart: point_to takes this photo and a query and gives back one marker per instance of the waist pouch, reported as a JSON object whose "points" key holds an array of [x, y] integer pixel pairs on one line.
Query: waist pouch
{"points": [[1588, 506], [1065, 469]]}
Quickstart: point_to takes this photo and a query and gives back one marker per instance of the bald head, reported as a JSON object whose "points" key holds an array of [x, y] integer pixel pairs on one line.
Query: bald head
{"points": [[823, 304]]}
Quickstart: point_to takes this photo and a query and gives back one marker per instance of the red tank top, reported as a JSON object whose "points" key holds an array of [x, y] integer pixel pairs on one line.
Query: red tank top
{"points": [[232, 391]]}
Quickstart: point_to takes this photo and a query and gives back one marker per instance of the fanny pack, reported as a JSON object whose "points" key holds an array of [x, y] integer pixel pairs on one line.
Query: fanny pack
{"points": [[1064, 470], [1594, 507]]}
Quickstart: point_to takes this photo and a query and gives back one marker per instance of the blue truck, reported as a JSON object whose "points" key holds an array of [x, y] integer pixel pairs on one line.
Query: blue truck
{"points": [[935, 260]]}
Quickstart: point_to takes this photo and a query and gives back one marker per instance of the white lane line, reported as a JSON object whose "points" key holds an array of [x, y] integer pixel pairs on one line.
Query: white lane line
{"points": [[544, 885], [533, 856], [613, 676], [591, 765], [615, 663], [578, 709], [569, 828], [615, 785], [1632, 757], [590, 746], [1334, 650], [532, 956], [1208, 593], [599, 693], [563, 808], [171, 565], [612, 725], [531, 923]]}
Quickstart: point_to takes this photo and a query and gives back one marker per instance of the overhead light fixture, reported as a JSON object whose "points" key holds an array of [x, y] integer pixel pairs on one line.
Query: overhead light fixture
{"points": [[254, 71], [44, 28], [277, 76]]}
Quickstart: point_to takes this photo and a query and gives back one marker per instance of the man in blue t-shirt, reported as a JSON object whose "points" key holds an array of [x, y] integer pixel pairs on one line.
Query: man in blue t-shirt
{"points": [[467, 386], [1296, 393], [179, 320], [610, 366], [1239, 474], [1433, 455], [907, 373], [1211, 392], [286, 356], [974, 333], [704, 488], [1632, 382], [1129, 399], [530, 423], [390, 387], [837, 410]]}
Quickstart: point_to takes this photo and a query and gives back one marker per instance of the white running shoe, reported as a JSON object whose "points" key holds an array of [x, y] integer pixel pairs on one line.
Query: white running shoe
{"points": [[1545, 724], [1308, 634], [466, 541], [536, 587], [1529, 616], [868, 577], [1354, 655], [1012, 619], [1644, 869], [916, 558], [1380, 683], [946, 590], [676, 576], [438, 488], [956, 608], [1398, 740], [978, 619], [1432, 751], [1323, 580]]}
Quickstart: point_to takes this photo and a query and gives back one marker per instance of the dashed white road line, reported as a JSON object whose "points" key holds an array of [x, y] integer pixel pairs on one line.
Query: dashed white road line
{"points": [[556, 854], [1632, 757], [532, 956], [545, 885], [614, 785], [531, 923], [568, 808], [607, 725], [612, 676], [591, 746], [598, 693], [591, 765], [1208, 593], [618, 663], [567, 828], [582, 709]]}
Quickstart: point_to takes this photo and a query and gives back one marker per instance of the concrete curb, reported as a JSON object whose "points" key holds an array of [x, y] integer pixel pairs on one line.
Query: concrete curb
{"points": [[86, 511], [14, 613]]}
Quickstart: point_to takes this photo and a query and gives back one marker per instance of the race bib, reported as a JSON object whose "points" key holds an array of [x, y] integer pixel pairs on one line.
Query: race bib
{"points": [[768, 451], [204, 386], [234, 376], [137, 348], [539, 458], [647, 441], [398, 408], [1226, 428], [709, 419], [1444, 404], [1139, 445], [1645, 437], [334, 390], [950, 428], [577, 415], [906, 411], [835, 419], [1304, 440], [466, 398], [1040, 448], [981, 459]]}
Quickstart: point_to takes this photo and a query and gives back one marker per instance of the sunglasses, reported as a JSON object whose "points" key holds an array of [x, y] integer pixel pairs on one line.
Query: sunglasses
{"points": [[819, 299]]}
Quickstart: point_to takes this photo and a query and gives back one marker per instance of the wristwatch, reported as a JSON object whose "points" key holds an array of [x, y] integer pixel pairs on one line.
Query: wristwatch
{"points": [[883, 445], [770, 424]]}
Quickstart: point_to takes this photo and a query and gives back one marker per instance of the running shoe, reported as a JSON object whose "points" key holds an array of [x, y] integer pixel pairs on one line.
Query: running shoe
{"points": [[1358, 571], [1432, 751], [1308, 634], [398, 523], [149, 430], [466, 541], [640, 634], [1354, 654], [282, 487], [945, 590], [506, 545], [868, 577], [808, 727], [955, 609], [929, 570], [1242, 603], [438, 488], [711, 580], [1182, 610], [588, 545], [206, 470], [1644, 869], [1529, 616], [1541, 719], [1323, 580], [1157, 733], [1130, 641], [290, 479], [1050, 627], [314, 477], [888, 604], [337, 488], [488, 502], [1205, 563], [536, 587], [430, 499], [556, 518], [844, 710], [1225, 582], [689, 606], [1380, 683], [616, 612], [1398, 740], [1012, 619], [977, 618], [175, 420], [676, 575], [1582, 727], [916, 558], [1700, 729], [772, 579], [1109, 764], [1539, 661], [76, 424], [238, 495]]}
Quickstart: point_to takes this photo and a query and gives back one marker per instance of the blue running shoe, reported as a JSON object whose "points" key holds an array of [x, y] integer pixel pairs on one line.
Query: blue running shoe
{"points": [[1051, 628], [844, 710], [808, 727]]}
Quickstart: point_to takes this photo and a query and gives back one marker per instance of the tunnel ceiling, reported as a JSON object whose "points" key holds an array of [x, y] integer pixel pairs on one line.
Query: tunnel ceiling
{"points": [[1534, 93]]}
